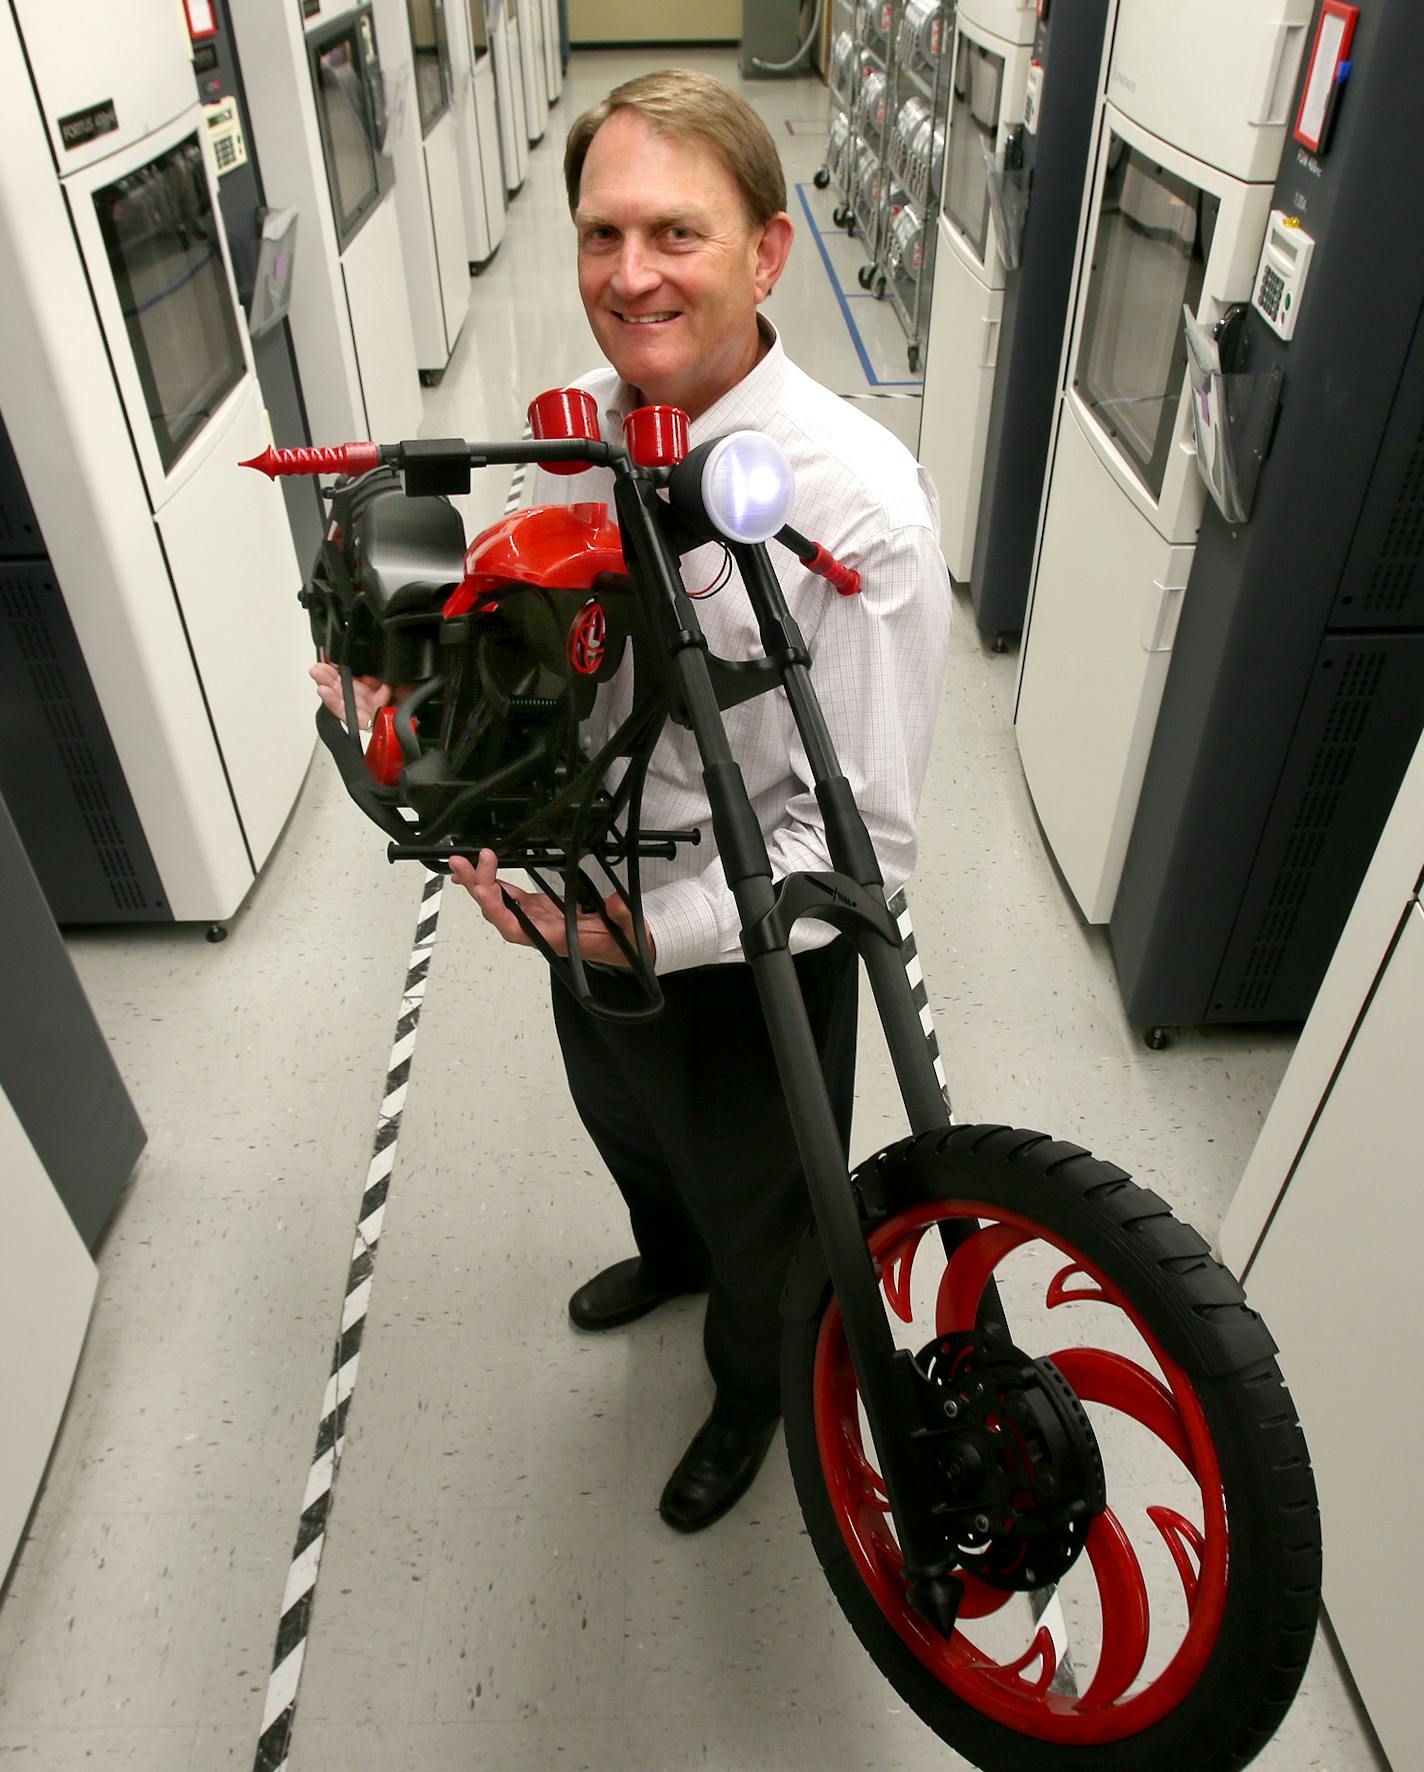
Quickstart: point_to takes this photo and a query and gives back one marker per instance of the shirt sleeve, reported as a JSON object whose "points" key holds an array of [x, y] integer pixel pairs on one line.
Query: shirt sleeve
{"points": [[878, 666]]}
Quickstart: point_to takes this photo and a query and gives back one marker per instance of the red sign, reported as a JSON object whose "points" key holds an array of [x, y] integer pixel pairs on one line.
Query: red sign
{"points": [[1329, 56], [202, 19]]}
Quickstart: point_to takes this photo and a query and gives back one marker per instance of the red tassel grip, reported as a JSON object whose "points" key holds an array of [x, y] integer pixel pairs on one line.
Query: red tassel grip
{"points": [[343, 458], [845, 579]]}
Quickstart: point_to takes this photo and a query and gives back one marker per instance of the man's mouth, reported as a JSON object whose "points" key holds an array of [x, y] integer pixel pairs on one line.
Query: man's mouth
{"points": [[645, 319]]}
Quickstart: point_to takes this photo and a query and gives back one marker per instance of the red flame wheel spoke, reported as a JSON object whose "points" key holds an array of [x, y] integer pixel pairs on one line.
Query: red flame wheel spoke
{"points": [[1127, 1622], [898, 1262], [871, 1484], [1059, 1291], [1119, 1383], [967, 1273], [1180, 1534], [1016, 1692], [1040, 1652]]}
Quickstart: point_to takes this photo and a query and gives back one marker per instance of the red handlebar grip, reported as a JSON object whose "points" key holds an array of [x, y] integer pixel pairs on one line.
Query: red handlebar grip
{"points": [[343, 458], [845, 579]]}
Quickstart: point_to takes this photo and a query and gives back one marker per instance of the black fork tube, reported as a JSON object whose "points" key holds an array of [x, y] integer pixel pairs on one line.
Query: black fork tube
{"points": [[851, 853], [887, 1386]]}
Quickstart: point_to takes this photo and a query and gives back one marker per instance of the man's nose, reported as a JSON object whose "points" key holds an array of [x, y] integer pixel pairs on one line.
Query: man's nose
{"points": [[636, 272]]}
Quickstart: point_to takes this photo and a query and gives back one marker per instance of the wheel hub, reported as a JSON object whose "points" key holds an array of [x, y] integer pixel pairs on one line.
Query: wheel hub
{"points": [[1020, 1474]]}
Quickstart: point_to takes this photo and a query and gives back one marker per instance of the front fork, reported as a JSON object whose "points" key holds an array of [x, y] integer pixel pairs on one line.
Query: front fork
{"points": [[853, 899]]}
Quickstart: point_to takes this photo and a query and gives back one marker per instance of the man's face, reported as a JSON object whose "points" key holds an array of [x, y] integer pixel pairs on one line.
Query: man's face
{"points": [[670, 268]]}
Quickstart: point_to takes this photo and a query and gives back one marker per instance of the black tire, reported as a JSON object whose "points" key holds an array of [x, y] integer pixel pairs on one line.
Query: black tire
{"points": [[1248, 1619], [912, 357], [821, 178], [879, 287], [864, 275]]}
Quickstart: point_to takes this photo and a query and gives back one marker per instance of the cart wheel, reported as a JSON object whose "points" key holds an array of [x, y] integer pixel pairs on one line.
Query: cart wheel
{"points": [[1127, 1435], [1001, 643], [864, 274], [838, 216], [912, 356], [216, 932], [821, 178], [1158, 1039], [880, 287], [852, 226]]}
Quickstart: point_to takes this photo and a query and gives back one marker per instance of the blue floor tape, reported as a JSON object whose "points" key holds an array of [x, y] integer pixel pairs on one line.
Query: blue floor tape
{"points": [[845, 300]]}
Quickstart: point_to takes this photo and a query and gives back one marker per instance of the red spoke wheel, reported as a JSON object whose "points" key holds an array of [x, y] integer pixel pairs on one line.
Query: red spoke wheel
{"points": [[1178, 1538]]}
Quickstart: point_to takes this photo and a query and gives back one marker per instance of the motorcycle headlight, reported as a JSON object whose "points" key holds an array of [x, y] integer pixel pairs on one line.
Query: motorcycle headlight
{"points": [[742, 484]]}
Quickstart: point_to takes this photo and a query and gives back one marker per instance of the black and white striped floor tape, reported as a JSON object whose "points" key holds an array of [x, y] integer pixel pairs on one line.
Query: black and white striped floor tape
{"points": [[909, 949], [279, 1710]]}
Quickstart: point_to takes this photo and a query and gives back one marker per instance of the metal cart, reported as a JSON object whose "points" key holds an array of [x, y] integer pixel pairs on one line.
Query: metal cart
{"points": [[889, 81]]}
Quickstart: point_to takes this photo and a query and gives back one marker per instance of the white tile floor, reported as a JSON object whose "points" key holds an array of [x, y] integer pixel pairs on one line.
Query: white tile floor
{"points": [[497, 1589]]}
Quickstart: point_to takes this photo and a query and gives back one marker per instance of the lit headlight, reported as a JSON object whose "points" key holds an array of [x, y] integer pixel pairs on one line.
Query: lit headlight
{"points": [[747, 486]]}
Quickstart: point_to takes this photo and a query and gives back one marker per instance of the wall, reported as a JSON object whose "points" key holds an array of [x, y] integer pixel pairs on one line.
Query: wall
{"points": [[671, 21]]}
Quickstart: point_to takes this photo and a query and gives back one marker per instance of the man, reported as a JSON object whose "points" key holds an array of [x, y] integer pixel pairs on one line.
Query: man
{"points": [[678, 199]]}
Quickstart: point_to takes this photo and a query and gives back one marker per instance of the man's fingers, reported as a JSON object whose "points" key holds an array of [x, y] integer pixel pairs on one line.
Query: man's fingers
{"points": [[480, 879]]}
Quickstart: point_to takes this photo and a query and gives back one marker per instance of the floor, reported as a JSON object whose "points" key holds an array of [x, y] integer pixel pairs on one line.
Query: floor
{"points": [[496, 1589]]}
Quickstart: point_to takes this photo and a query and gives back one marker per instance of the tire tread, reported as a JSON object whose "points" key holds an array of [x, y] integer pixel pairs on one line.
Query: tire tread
{"points": [[1228, 1352]]}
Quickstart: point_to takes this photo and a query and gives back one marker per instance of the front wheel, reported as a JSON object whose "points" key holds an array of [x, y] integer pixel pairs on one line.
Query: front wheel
{"points": [[1128, 1503]]}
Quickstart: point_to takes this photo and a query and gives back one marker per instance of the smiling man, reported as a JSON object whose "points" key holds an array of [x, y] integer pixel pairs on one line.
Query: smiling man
{"points": [[679, 202], [676, 249]]}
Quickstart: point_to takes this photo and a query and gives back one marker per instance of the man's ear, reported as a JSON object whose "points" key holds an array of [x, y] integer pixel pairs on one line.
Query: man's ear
{"points": [[771, 253]]}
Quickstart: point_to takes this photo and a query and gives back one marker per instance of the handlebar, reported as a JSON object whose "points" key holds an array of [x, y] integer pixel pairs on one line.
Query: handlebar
{"points": [[443, 464]]}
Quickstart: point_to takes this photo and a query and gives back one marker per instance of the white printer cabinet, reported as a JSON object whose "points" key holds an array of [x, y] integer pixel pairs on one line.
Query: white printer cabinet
{"points": [[1327, 1230]]}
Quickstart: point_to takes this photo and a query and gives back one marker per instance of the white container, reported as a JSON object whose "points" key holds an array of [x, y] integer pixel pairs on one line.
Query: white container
{"points": [[430, 204], [477, 130], [350, 316], [527, 16], [989, 75], [1013, 20], [106, 75], [1214, 78], [509, 92], [176, 566], [1124, 499]]}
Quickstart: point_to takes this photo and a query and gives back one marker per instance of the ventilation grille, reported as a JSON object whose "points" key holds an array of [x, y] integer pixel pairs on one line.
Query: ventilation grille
{"points": [[19, 531], [18, 534], [30, 634], [1358, 681], [1391, 586]]}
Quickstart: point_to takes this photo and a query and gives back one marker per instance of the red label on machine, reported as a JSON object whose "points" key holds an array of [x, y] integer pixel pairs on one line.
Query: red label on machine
{"points": [[202, 19], [1329, 54]]}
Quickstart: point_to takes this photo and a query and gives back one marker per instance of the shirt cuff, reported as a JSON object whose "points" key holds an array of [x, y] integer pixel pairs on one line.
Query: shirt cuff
{"points": [[683, 924]]}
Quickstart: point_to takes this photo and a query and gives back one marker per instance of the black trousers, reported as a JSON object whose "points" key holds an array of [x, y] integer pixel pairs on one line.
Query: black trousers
{"points": [[688, 1114]]}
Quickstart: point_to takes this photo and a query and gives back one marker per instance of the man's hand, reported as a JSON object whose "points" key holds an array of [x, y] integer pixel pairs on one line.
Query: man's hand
{"points": [[488, 891], [371, 693]]}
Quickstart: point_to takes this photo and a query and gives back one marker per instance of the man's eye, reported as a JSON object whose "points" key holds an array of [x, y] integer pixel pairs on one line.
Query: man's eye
{"points": [[678, 233], [596, 236]]}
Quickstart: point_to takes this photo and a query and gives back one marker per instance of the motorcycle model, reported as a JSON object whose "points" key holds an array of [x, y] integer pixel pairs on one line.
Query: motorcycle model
{"points": [[1041, 1443]]}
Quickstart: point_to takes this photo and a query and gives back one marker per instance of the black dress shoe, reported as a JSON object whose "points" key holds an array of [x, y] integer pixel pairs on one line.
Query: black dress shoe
{"points": [[620, 1294], [715, 1472]]}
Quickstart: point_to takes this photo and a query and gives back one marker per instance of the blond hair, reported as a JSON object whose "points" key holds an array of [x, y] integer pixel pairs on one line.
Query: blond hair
{"points": [[679, 103]]}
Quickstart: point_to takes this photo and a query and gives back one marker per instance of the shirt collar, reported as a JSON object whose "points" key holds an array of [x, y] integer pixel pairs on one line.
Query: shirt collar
{"points": [[747, 406]]}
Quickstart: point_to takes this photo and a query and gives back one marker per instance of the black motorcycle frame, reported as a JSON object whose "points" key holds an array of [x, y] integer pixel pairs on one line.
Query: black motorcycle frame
{"points": [[850, 896]]}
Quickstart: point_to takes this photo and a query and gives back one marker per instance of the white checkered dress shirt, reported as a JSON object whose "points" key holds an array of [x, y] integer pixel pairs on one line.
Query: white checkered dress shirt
{"points": [[878, 658]]}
